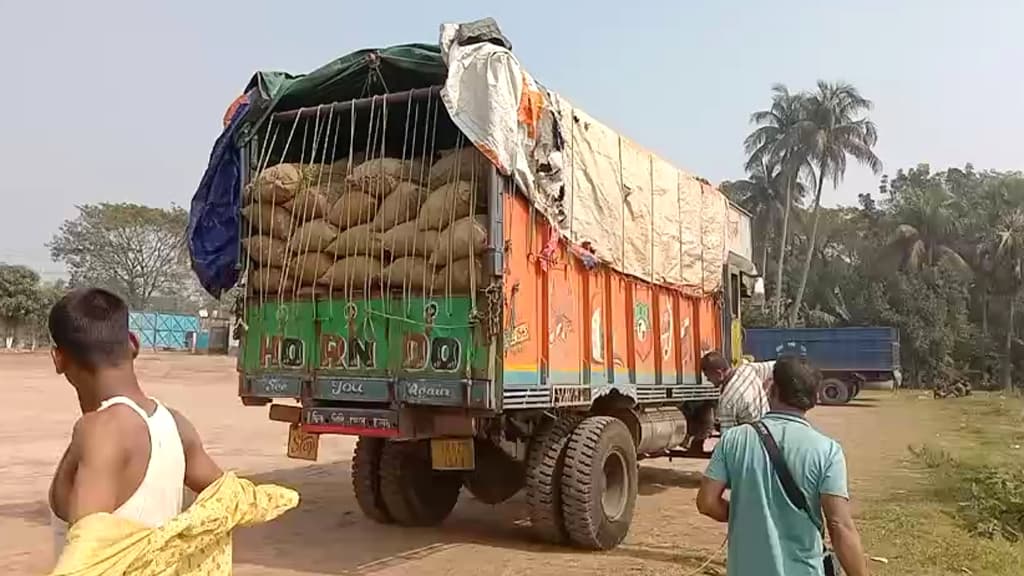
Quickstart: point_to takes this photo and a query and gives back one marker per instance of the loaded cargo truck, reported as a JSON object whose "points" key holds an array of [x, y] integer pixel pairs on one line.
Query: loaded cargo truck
{"points": [[847, 357], [488, 287]]}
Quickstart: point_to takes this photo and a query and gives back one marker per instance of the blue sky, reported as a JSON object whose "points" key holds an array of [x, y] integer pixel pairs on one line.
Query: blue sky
{"points": [[120, 100]]}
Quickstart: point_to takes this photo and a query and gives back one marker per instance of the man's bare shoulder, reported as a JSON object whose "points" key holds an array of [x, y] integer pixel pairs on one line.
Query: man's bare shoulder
{"points": [[186, 430], [114, 429]]}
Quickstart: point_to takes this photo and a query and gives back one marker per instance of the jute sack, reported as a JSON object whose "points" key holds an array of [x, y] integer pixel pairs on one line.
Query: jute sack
{"points": [[313, 236], [455, 278], [360, 240], [445, 205], [466, 236], [308, 267], [309, 204], [265, 280], [407, 239], [465, 164], [267, 219], [352, 209], [411, 272], [266, 250], [402, 205], [277, 184], [311, 292], [378, 176], [332, 172], [336, 172], [352, 272]]}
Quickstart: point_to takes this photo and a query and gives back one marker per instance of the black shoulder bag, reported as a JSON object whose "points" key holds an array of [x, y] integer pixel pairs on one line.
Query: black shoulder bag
{"points": [[793, 493]]}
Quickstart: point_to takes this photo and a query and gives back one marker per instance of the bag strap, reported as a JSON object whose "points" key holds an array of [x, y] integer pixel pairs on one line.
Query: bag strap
{"points": [[793, 492]]}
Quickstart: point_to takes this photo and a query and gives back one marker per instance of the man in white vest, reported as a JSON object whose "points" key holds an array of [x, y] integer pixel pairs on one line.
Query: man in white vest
{"points": [[129, 455]]}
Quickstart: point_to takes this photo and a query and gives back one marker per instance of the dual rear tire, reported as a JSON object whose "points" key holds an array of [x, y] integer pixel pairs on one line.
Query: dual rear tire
{"points": [[582, 480], [394, 482]]}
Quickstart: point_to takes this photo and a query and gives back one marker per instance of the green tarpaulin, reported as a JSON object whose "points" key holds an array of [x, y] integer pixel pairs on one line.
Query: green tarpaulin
{"points": [[357, 75]]}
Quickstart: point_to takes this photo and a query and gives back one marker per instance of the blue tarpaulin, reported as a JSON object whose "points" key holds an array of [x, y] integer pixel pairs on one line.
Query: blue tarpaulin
{"points": [[213, 224]]}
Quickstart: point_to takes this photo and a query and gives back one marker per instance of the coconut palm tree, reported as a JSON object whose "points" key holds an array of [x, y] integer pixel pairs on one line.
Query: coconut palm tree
{"points": [[833, 127], [775, 142], [1007, 251], [926, 232], [760, 195]]}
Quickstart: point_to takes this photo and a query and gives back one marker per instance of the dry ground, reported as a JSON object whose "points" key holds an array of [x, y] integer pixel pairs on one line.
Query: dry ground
{"points": [[327, 535]]}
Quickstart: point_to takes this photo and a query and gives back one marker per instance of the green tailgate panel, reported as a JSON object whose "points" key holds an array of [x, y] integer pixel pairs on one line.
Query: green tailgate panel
{"points": [[408, 338], [280, 337]]}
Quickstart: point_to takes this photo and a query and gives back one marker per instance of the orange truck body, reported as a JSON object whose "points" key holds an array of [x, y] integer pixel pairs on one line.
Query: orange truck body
{"points": [[567, 326]]}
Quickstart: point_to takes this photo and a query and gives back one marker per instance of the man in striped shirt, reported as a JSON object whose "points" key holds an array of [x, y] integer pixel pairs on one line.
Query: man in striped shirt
{"points": [[744, 396]]}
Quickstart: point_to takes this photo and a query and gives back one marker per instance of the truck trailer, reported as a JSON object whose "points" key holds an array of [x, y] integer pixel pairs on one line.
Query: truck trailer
{"points": [[488, 287], [847, 357]]}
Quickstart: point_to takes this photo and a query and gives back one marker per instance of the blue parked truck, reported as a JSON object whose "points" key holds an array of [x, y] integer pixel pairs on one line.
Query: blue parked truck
{"points": [[847, 357]]}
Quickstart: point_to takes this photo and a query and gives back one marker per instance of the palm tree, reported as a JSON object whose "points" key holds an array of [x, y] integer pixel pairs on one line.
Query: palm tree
{"points": [[759, 195], [775, 142], [926, 232], [833, 127], [1007, 250]]}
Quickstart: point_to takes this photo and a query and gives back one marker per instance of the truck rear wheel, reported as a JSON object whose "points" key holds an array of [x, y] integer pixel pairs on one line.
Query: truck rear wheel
{"points": [[599, 483], [412, 491], [544, 465], [366, 478], [834, 392]]}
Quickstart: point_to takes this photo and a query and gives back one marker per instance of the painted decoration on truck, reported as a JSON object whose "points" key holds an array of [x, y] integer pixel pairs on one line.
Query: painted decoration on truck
{"points": [[364, 337], [642, 324], [280, 336], [596, 331]]}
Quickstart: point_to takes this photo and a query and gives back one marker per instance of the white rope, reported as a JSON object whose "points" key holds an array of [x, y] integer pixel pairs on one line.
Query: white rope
{"points": [[710, 559]]}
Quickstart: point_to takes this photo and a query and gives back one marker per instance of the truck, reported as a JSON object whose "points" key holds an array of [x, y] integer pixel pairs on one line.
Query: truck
{"points": [[847, 357], [548, 340]]}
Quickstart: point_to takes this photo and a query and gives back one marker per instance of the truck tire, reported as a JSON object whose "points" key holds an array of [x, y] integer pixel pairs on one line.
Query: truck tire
{"points": [[855, 388], [599, 483], [544, 464], [413, 493], [834, 392], [366, 478]]}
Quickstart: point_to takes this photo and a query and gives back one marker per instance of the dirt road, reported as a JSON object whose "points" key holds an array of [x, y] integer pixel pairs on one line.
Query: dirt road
{"points": [[327, 534]]}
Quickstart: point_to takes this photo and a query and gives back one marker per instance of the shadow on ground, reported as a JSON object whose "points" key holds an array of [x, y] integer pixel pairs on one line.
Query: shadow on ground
{"points": [[656, 480], [327, 532]]}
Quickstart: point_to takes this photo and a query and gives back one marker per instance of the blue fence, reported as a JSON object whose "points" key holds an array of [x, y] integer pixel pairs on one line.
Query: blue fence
{"points": [[164, 331]]}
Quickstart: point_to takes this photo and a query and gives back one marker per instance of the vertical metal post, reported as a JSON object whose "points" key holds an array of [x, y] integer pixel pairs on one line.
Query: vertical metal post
{"points": [[495, 269], [495, 224]]}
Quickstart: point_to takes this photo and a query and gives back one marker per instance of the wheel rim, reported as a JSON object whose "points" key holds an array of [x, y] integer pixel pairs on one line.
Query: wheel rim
{"points": [[831, 392], [616, 486]]}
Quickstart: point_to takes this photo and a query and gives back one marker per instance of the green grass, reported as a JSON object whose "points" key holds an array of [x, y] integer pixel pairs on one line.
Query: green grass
{"points": [[957, 506]]}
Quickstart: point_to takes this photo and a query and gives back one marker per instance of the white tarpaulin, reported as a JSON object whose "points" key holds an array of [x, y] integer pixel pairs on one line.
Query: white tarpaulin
{"points": [[601, 191], [737, 233], [691, 248], [714, 208]]}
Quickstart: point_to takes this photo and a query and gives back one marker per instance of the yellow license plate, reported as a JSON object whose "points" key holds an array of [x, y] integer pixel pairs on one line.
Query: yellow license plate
{"points": [[301, 444], [452, 454]]}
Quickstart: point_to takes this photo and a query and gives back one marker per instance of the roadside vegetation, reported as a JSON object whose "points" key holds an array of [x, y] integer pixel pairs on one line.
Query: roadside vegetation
{"points": [[955, 504]]}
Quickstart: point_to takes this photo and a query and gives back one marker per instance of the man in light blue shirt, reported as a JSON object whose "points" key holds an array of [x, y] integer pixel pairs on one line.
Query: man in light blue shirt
{"points": [[768, 535]]}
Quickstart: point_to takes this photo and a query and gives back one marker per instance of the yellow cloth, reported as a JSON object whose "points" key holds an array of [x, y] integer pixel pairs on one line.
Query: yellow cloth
{"points": [[195, 542]]}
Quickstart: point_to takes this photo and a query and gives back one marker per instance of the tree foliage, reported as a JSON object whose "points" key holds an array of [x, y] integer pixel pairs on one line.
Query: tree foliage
{"points": [[25, 302], [136, 251], [938, 255]]}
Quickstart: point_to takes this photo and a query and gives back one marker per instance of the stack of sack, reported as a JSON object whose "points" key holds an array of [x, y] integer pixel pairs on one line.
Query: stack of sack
{"points": [[390, 223]]}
